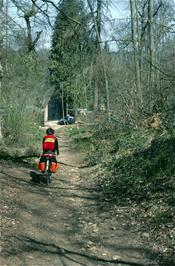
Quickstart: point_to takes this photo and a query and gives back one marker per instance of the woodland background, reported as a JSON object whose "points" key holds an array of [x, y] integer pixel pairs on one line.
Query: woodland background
{"points": [[127, 90]]}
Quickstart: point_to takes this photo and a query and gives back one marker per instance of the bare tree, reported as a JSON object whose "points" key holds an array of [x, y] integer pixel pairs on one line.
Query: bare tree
{"points": [[1, 75], [135, 41], [98, 29], [97, 24], [151, 42], [28, 14], [1, 69]]}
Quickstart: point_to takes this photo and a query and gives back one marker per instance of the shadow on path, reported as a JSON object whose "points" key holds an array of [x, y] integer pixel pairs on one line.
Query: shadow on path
{"points": [[24, 244]]}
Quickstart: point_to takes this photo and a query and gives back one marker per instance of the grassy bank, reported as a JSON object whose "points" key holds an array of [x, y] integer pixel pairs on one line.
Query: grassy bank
{"points": [[136, 168]]}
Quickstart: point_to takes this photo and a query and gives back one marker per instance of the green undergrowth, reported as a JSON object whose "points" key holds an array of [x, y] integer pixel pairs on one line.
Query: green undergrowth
{"points": [[138, 165], [21, 131], [80, 138], [140, 170], [136, 168]]}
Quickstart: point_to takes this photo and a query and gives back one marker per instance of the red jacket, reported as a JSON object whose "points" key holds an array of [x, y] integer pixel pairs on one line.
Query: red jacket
{"points": [[50, 143]]}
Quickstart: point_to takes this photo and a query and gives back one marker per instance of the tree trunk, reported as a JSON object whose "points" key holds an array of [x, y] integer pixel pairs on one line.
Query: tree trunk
{"points": [[135, 40], [31, 43], [98, 18], [29, 33], [0, 111], [62, 99], [151, 42], [96, 96], [2, 5], [98, 37], [1, 75]]}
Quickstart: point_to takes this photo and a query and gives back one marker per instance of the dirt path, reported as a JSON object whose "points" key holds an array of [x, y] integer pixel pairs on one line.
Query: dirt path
{"points": [[66, 224]]}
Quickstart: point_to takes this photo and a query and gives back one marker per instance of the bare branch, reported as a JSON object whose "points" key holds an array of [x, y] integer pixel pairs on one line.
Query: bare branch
{"points": [[66, 16], [42, 11], [18, 6], [147, 23], [37, 38], [12, 20], [158, 69]]}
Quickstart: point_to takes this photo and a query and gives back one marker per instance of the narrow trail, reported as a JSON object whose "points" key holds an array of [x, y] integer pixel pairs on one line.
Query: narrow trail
{"points": [[66, 224]]}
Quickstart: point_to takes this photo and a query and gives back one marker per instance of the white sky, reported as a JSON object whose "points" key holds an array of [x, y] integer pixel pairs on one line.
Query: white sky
{"points": [[120, 8]]}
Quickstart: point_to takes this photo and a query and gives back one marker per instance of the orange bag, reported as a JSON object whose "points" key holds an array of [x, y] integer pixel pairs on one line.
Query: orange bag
{"points": [[54, 167], [41, 166]]}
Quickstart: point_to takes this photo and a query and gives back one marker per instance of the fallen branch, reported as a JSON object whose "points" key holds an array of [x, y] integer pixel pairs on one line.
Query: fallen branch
{"points": [[18, 153]]}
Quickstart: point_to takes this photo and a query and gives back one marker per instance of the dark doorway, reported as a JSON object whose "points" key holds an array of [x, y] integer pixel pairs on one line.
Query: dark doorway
{"points": [[55, 111]]}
